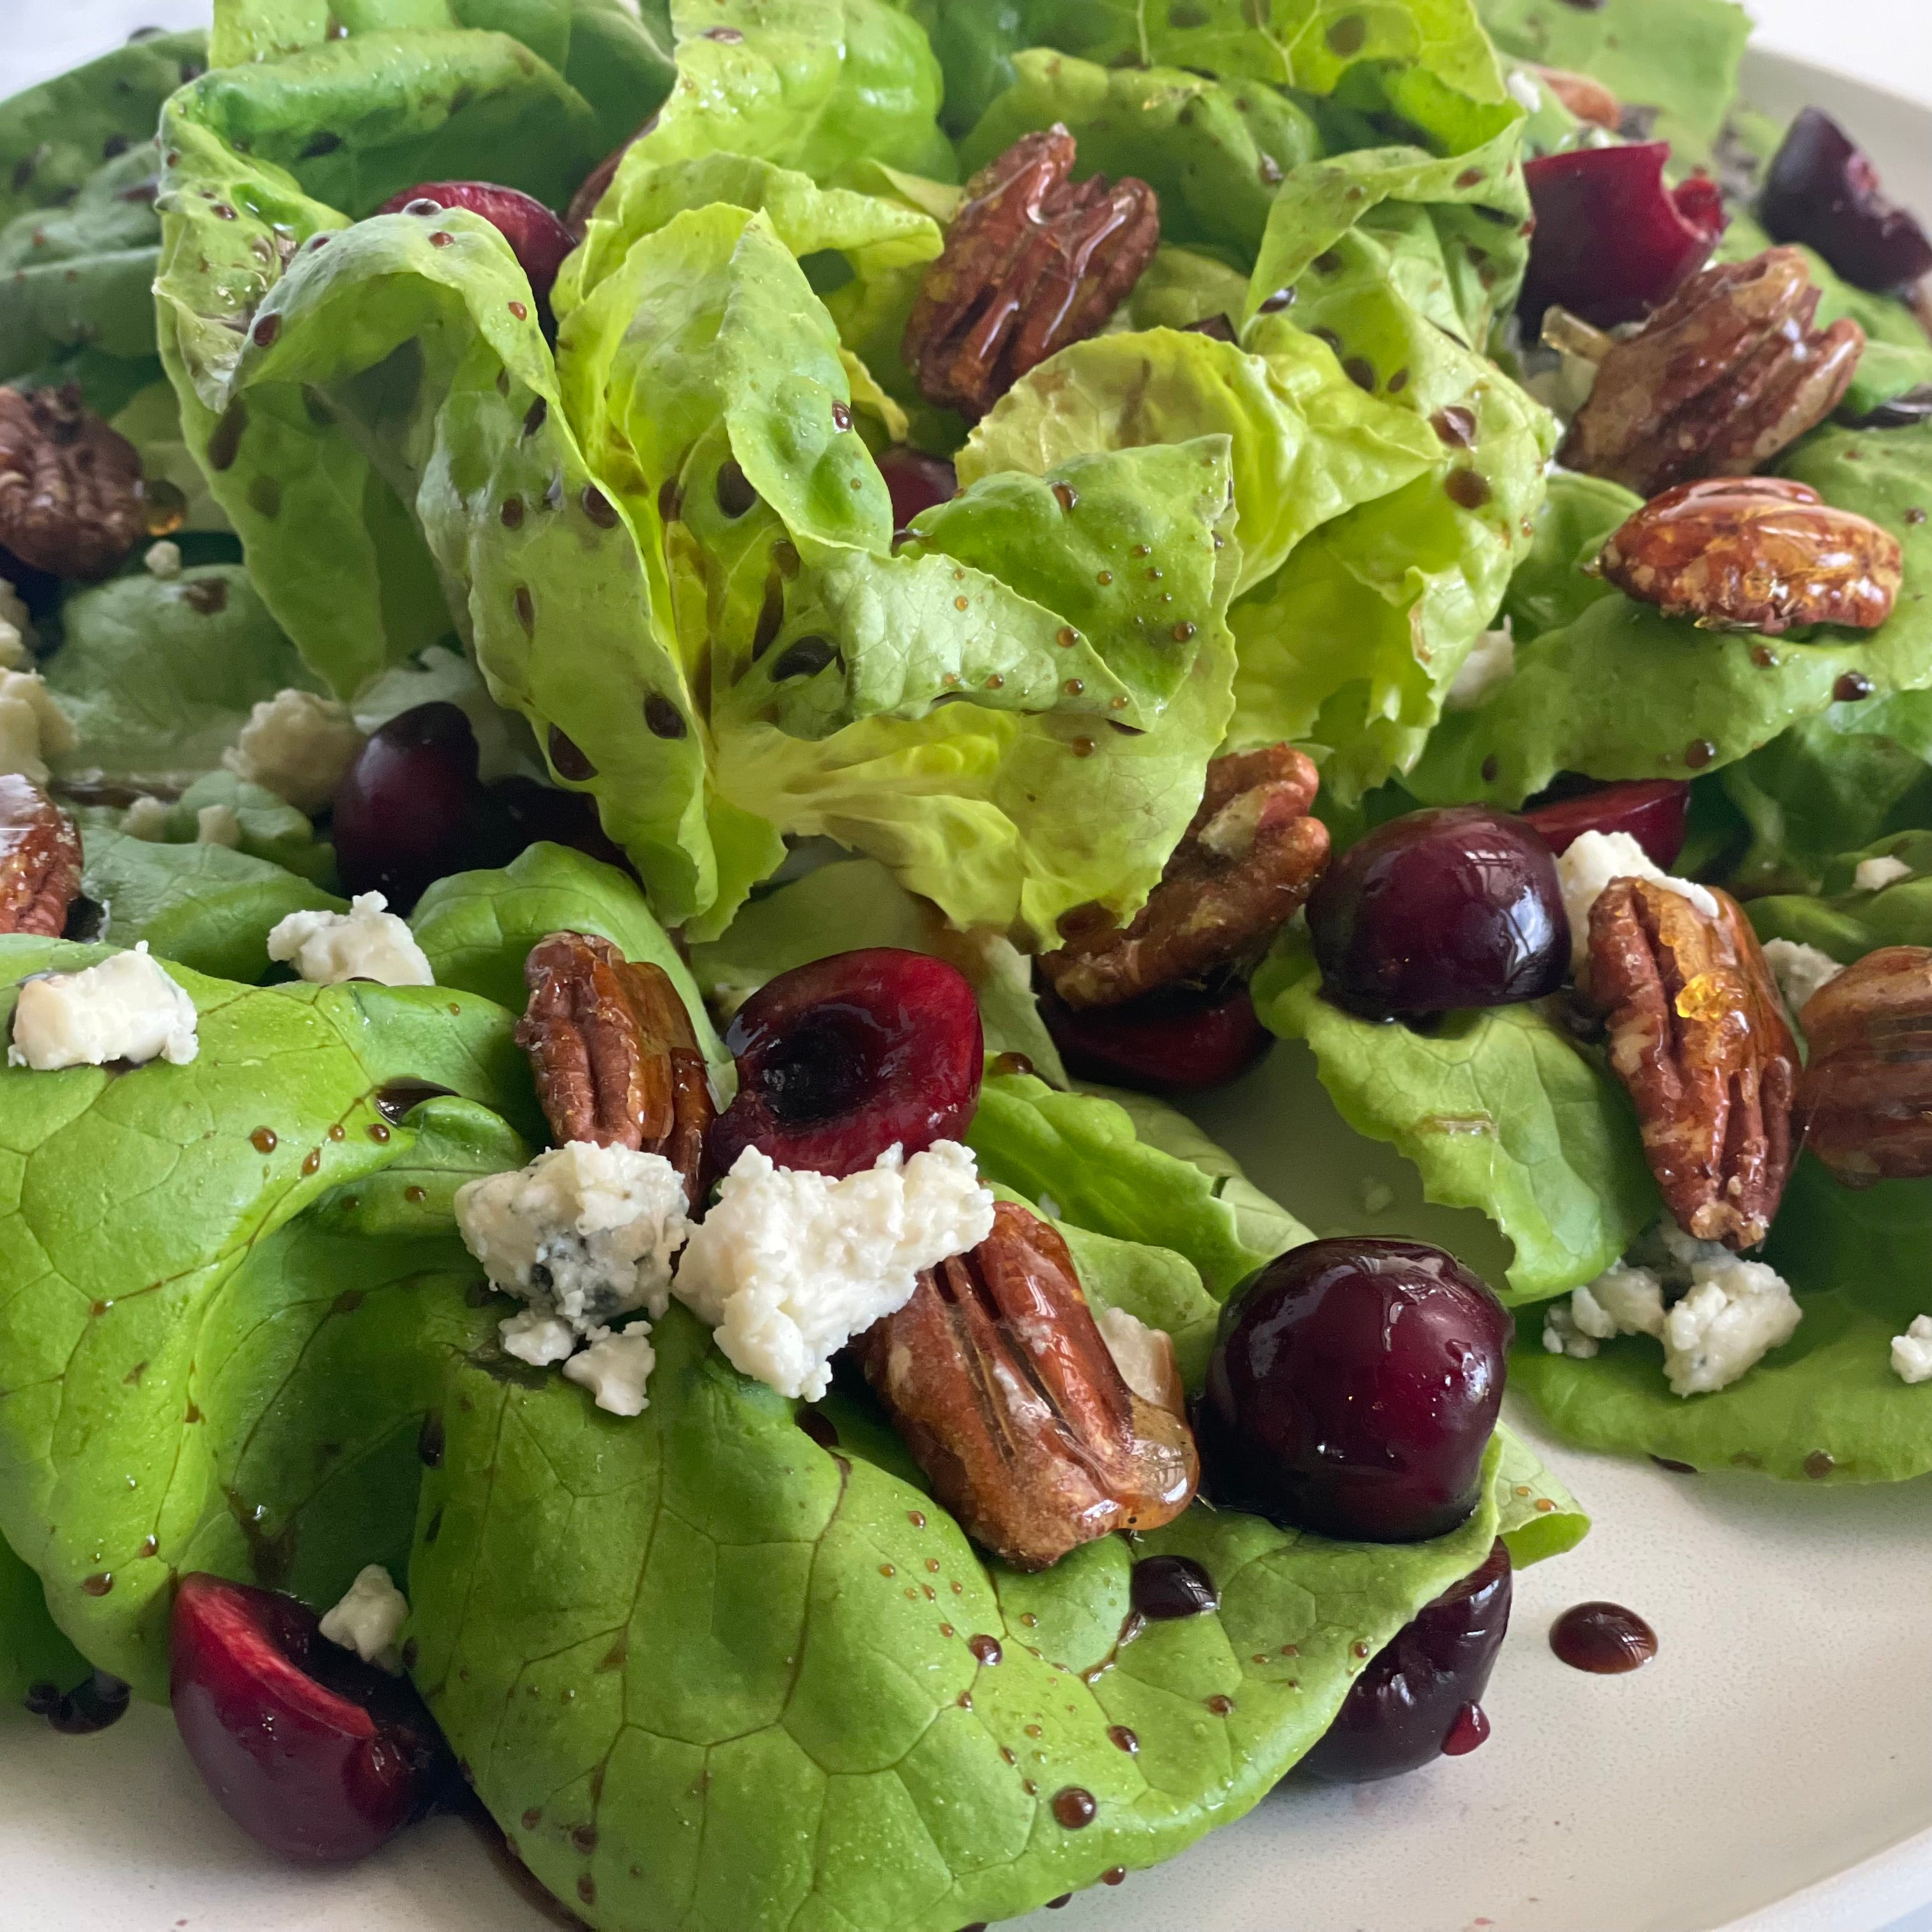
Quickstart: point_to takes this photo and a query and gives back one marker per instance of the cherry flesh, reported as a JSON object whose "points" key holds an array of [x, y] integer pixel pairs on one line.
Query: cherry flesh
{"points": [[1655, 811], [412, 808], [1353, 1388], [1612, 240], [1452, 906], [1421, 1694], [839, 1060], [538, 239], [314, 1753], [916, 483], [1178, 1038], [1823, 191]]}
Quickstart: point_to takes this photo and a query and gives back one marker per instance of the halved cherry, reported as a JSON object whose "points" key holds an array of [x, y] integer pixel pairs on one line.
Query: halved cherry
{"points": [[1654, 811], [915, 482], [1823, 190], [314, 1753], [840, 1059], [1180, 1038], [1612, 240], [538, 239]]}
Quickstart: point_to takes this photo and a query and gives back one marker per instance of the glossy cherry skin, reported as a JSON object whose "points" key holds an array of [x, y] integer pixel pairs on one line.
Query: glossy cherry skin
{"points": [[1612, 240], [1655, 811], [314, 1753], [1453, 906], [538, 239], [411, 808], [1353, 1388], [1823, 191], [840, 1059], [1180, 1039], [1404, 1707], [916, 483]]}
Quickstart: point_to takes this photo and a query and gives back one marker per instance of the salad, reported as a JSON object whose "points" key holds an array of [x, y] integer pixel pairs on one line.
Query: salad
{"points": [[669, 674]]}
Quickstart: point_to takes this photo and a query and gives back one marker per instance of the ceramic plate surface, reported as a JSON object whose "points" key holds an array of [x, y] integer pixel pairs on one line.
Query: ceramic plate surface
{"points": [[1771, 1771]]}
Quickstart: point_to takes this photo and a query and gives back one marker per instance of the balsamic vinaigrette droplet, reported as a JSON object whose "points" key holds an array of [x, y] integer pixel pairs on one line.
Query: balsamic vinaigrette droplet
{"points": [[1604, 1639], [1075, 1807], [986, 1649], [1163, 1588], [395, 1100], [96, 1702]]}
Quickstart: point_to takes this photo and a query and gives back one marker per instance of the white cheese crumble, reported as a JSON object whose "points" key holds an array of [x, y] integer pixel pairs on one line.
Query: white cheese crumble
{"points": [[789, 1265], [367, 942], [370, 1619], [1730, 1314], [586, 1233], [146, 818], [126, 1008], [297, 745], [537, 1337], [1799, 971], [33, 727], [1491, 663], [217, 825], [1144, 1357], [615, 1368], [1525, 91], [1912, 1352], [163, 560], [1591, 862], [1874, 875]]}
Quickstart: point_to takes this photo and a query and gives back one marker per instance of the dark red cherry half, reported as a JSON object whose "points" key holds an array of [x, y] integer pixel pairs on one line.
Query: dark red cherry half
{"points": [[538, 239], [1177, 1039], [1422, 1694], [1654, 811], [1453, 906], [1612, 240], [1823, 191], [840, 1059], [1353, 1388], [314, 1753], [916, 483]]}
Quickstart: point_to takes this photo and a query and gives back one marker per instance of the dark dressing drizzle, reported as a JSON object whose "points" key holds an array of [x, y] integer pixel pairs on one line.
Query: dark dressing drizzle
{"points": [[94, 1704], [1604, 1639], [395, 1099], [1165, 1588]]}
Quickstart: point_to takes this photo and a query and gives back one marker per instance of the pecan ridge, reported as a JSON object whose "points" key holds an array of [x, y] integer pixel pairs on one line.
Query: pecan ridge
{"points": [[1032, 262], [1864, 1099], [1001, 1385], [1250, 857], [70, 500], [1697, 1036], [616, 1058], [39, 860], [1720, 378]]}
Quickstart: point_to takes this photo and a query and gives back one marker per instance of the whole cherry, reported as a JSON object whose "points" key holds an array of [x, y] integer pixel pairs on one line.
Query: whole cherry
{"points": [[915, 482], [1353, 1388], [840, 1059], [314, 1753], [1421, 1694]]}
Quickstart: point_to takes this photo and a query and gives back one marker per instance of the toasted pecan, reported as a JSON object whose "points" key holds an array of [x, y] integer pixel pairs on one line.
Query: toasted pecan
{"points": [[70, 493], [1864, 1099], [39, 860]]}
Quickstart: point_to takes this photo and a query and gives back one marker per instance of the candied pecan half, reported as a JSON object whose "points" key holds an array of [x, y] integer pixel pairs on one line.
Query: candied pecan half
{"points": [[1864, 1099], [1587, 98], [1697, 1035], [1755, 553], [1000, 1384], [39, 860], [616, 1058], [1251, 855], [1724, 375], [1032, 261], [70, 487]]}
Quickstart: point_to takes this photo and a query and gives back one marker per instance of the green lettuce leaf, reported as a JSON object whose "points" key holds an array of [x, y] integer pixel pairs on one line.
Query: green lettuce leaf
{"points": [[1847, 922], [146, 1252], [1624, 692], [1550, 586], [32, 1650], [1179, 286], [1536, 1516], [1085, 1159], [151, 419], [270, 828], [208, 906], [719, 1595], [53, 137], [476, 928], [1672, 64], [1824, 1407], [1497, 1109], [158, 676]]}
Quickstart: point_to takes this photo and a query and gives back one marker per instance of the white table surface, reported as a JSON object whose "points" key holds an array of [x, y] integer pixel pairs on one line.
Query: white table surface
{"points": [[1887, 43]]}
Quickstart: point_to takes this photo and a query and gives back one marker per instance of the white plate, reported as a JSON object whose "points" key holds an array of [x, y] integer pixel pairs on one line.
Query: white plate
{"points": [[1768, 1773]]}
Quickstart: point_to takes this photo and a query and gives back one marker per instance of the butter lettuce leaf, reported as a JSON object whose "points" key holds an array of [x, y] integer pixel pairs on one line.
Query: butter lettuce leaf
{"points": [[1847, 922], [1499, 1110], [32, 1650], [1826, 1407], [1538, 1516], [1624, 692], [1551, 586], [743, 1592]]}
